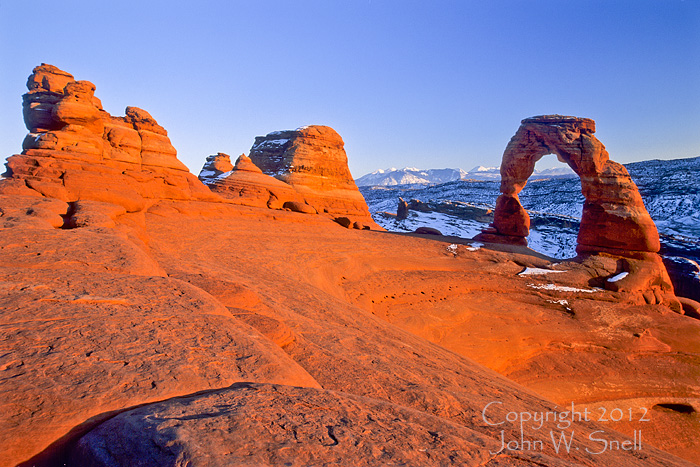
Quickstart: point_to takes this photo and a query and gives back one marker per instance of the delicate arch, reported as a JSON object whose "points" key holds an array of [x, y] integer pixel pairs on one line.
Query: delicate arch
{"points": [[614, 218]]}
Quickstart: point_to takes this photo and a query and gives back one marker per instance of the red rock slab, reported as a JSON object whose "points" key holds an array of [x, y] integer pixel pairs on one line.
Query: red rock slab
{"points": [[263, 424]]}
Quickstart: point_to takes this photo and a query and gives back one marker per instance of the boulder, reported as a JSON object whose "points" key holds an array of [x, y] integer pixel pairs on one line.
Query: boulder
{"points": [[427, 231], [297, 206], [344, 221]]}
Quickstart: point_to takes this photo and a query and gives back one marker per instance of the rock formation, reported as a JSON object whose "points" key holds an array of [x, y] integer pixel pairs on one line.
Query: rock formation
{"points": [[402, 209], [261, 337], [76, 150], [246, 184], [312, 159], [215, 165], [614, 219]]}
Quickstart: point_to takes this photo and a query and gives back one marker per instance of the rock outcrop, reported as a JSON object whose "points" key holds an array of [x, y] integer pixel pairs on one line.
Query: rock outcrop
{"points": [[215, 165], [246, 184], [402, 209], [312, 159], [76, 150], [614, 221]]}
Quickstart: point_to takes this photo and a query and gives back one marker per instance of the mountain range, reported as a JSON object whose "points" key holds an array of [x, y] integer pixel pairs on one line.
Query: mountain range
{"points": [[414, 176]]}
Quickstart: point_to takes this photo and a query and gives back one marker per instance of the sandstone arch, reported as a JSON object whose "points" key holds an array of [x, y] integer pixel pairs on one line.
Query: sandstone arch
{"points": [[614, 217], [614, 220]]}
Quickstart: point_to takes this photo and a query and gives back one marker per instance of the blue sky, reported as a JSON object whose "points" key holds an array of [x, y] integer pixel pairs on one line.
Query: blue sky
{"points": [[405, 83]]}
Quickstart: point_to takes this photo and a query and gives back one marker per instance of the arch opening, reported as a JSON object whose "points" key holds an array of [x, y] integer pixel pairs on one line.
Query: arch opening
{"points": [[552, 197]]}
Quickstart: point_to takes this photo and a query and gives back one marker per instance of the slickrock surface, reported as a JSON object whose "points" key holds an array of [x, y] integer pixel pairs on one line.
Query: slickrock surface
{"points": [[368, 314], [614, 221], [76, 150], [312, 159]]}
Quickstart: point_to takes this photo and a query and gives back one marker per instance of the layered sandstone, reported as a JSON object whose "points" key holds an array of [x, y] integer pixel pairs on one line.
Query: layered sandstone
{"points": [[312, 159], [614, 221], [246, 184], [76, 150]]}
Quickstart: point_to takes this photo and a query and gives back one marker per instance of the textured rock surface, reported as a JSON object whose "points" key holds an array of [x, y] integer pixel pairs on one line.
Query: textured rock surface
{"points": [[94, 321], [75, 150], [312, 159], [614, 219], [246, 184], [295, 426]]}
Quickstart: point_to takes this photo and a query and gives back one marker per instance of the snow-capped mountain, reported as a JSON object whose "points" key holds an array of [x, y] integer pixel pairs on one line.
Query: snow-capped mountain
{"points": [[670, 189], [414, 176], [409, 176]]}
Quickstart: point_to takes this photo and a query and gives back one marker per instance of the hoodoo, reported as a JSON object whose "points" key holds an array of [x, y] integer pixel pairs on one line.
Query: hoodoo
{"points": [[75, 150], [614, 221]]}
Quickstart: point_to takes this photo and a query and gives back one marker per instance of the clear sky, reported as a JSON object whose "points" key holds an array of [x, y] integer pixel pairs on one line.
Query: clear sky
{"points": [[429, 84]]}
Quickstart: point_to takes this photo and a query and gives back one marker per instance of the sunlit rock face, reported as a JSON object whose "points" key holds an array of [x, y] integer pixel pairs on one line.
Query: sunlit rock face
{"points": [[312, 159], [244, 183], [76, 150], [614, 220]]}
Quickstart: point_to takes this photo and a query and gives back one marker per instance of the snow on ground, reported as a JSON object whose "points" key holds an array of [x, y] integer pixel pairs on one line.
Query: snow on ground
{"points": [[446, 224], [618, 277], [536, 271], [559, 288]]}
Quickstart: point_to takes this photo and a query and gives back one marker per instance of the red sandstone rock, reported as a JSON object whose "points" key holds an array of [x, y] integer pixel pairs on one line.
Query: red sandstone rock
{"points": [[312, 159], [614, 219], [215, 165], [94, 323], [246, 184], [261, 424], [297, 206], [75, 150], [166, 308]]}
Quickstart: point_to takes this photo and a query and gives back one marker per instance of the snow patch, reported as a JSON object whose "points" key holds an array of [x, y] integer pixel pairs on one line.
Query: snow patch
{"points": [[559, 288], [224, 175], [476, 246], [562, 302], [207, 173], [536, 271], [618, 277]]}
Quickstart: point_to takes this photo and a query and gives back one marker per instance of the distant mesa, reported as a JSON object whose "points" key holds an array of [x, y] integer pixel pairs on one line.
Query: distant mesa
{"points": [[614, 220], [76, 150]]}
